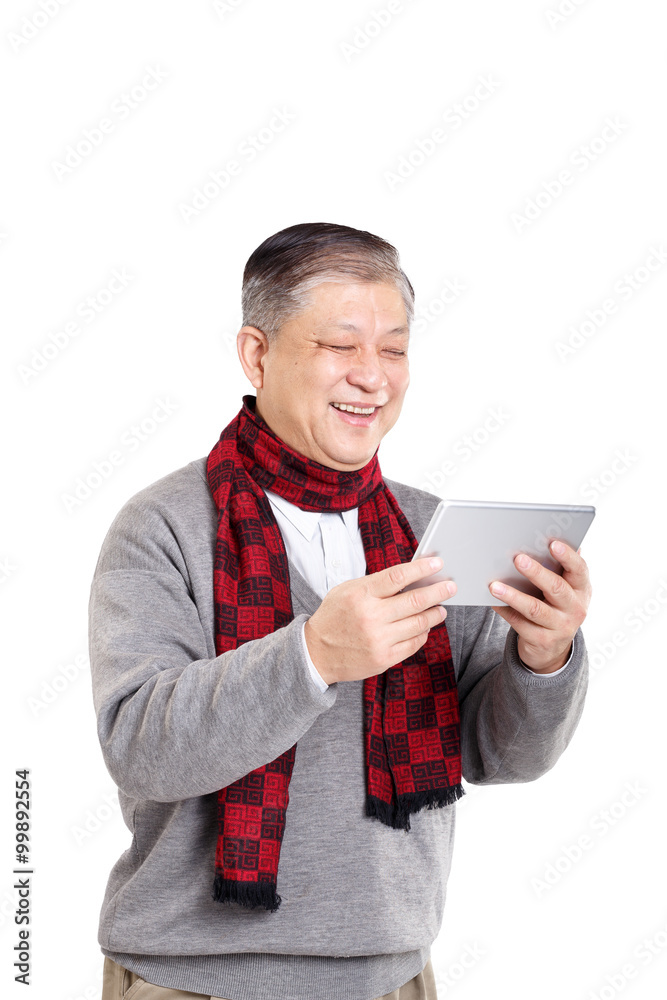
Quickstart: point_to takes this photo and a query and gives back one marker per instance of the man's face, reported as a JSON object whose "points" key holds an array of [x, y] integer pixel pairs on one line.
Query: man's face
{"points": [[349, 346]]}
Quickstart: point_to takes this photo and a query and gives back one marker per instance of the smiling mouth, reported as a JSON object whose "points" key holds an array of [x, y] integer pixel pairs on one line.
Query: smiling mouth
{"points": [[351, 408]]}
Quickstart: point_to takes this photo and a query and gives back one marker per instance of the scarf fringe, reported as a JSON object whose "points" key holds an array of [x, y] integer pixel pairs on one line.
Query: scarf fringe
{"points": [[398, 817], [249, 894]]}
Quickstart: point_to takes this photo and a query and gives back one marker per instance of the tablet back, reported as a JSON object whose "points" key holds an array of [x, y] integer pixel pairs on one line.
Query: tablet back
{"points": [[478, 540]]}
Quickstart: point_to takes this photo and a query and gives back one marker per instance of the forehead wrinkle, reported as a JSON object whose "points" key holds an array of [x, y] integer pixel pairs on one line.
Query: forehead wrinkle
{"points": [[342, 325]]}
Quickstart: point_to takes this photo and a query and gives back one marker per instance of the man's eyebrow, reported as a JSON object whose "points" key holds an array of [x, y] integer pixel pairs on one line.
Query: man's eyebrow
{"points": [[342, 325]]}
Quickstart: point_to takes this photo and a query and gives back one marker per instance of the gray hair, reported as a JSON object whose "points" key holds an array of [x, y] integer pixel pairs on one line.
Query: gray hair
{"points": [[283, 270]]}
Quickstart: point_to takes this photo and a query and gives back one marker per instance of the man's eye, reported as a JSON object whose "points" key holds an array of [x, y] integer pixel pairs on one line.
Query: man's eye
{"points": [[340, 347], [397, 354]]}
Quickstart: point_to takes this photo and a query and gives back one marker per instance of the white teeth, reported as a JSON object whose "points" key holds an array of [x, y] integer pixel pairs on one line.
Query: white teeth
{"points": [[354, 409]]}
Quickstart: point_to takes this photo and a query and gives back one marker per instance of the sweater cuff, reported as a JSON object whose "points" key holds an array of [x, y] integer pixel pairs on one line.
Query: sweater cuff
{"points": [[554, 673], [577, 660], [314, 673]]}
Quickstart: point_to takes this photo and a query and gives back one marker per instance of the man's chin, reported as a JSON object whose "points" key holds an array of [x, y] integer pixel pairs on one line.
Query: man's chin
{"points": [[346, 459]]}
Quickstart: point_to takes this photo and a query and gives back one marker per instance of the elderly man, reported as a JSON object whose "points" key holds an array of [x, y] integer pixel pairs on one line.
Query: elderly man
{"points": [[287, 729]]}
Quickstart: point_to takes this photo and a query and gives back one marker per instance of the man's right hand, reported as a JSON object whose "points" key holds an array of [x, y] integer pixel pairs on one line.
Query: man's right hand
{"points": [[363, 627]]}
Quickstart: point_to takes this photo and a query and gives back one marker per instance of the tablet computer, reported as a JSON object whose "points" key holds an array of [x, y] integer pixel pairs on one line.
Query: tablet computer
{"points": [[477, 541]]}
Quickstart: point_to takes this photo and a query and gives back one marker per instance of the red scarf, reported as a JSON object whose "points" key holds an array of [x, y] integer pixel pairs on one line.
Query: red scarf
{"points": [[411, 717]]}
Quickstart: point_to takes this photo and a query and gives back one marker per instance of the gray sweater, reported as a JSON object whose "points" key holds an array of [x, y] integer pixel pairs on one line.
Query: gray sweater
{"points": [[361, 902]]}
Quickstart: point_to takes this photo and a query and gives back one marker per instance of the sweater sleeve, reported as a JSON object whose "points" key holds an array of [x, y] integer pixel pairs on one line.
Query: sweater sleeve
{"points": [[515, 724], [173, 721]]}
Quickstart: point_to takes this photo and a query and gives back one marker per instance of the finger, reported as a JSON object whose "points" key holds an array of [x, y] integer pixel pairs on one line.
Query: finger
{"points": [[408, 647], [531, 608], [393, 579], [575, 568], [413, 602], [405, 629], [529, 631], [515, 619], [557, 591], [409, 628]]}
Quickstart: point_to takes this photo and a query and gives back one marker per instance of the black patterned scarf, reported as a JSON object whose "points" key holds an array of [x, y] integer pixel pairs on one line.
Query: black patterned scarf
{"points": [[411, 717]]}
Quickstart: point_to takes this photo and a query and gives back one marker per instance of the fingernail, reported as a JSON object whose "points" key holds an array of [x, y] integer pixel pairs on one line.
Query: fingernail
{"points": [[558, 548], [498, 589], [443, 610], [523, 562], [435, 562], [451, 588]]}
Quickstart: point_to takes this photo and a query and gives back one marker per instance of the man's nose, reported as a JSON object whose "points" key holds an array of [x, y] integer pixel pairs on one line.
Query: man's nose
{"points": [[368, 373]]}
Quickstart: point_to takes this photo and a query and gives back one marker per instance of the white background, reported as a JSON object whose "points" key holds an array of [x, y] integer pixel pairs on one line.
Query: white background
{"points": [[584, 426]]}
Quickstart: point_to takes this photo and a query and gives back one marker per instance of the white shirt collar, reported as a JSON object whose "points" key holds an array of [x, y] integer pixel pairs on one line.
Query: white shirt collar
{"points": [[306, 521]]}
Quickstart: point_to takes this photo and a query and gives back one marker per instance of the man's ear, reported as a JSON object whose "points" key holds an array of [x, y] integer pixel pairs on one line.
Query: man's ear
{"points": [[252, 344]]}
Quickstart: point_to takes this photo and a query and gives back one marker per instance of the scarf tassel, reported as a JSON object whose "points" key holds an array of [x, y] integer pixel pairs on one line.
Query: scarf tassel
{"points": [[250, 894], [398, 816]]}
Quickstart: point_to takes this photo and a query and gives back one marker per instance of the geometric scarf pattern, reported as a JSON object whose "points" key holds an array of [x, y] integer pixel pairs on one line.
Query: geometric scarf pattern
{"points": [[411, 711]]}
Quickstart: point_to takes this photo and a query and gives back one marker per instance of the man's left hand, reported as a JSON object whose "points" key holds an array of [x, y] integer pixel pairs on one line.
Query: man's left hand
{"points": [[546, 627]]}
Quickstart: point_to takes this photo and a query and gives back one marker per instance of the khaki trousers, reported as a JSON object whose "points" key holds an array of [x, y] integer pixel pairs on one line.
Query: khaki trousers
{"points": [[121, 984]]}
